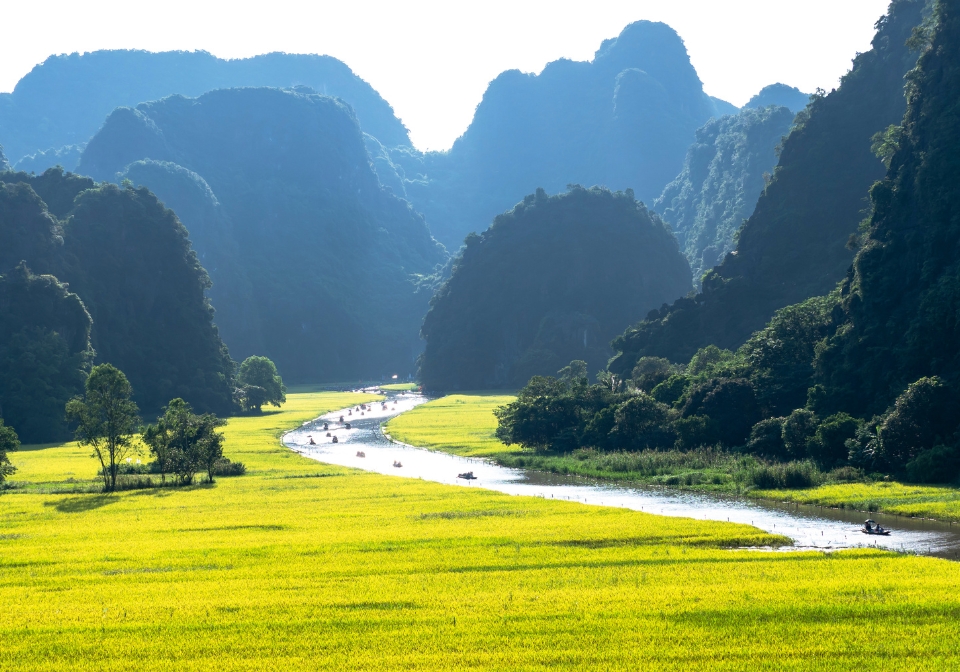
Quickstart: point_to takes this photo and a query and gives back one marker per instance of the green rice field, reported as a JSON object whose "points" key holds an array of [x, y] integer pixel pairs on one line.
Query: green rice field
{"points": [[302, 566]]}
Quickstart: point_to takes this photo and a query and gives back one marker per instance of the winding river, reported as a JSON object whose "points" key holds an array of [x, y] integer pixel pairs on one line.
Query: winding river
{"points": [[810, 527]]}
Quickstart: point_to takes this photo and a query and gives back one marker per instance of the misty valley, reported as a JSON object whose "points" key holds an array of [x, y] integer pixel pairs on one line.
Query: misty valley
{"points": [[629, 377]]}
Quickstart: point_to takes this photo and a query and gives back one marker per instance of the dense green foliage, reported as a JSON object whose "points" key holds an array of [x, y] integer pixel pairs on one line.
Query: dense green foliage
{"points": [[45, 353], [333, 262], [106, 419], [259, 383], [552, 280], [722, 177], [794, 245], [780, 95], [9, 442], [129, 260], [64, 100], [868, 376], [623, 120], [183, 443]]}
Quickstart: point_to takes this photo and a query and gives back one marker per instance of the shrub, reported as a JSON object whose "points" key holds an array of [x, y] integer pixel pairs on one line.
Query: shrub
{"points": [[828, 446], [766, 438], [224, 467], [940, 464], [798, 429], [791, 475]]}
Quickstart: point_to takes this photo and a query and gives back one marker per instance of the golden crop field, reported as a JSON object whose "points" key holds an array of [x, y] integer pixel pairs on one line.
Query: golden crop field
{"points": [[925, 501], [302, 566], [463, 424]]}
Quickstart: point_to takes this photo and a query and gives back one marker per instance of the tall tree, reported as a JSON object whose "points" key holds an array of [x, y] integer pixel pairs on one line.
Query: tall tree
{"points": [[260, 384], [106, 419]]}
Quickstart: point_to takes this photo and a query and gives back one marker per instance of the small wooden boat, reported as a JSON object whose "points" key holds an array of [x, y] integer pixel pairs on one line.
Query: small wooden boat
{"points": [[360, 453], [870, 527], [397, 464], [467, 475]]}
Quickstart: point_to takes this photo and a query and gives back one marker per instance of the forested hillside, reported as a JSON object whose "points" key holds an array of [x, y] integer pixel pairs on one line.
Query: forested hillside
{"points": [[721, 179], [867, 376], [129, 260], [332, 260], [45, 350], [64, 100], [552, 280], [794, 245], [623, 120]]}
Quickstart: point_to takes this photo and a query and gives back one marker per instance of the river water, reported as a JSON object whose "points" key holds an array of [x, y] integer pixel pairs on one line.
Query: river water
{"points": [[810, 527]]}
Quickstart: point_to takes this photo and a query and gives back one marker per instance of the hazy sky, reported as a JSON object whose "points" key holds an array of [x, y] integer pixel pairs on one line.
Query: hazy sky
{"points": [[433, 60]]}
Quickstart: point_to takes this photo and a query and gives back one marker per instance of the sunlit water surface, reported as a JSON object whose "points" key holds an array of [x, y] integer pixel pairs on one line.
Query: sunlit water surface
{"points": [[810, 527]]}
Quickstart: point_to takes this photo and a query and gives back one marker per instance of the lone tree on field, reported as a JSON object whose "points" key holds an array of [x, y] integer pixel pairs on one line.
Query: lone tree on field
{"points": [[106, 419], [9, 442], [259, 384]]}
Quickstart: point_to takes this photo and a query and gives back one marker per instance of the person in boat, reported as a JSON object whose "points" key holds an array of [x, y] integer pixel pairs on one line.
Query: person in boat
{"points": [[868, 525]]}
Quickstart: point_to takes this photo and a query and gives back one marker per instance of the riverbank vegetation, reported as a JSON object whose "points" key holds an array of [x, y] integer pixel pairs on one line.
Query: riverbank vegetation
{"points": [[466, 425], [319, 567]]}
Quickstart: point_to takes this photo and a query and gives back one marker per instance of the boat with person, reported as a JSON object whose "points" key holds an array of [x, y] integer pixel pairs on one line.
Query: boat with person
{"points": [[871, 527]]}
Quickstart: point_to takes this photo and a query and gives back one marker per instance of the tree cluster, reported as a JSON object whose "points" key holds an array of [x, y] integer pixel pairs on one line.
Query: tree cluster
{"points": [[181, 442]]}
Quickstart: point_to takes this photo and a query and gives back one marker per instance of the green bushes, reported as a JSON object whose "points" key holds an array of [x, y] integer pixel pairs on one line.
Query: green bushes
{"points": [[789, 475]]}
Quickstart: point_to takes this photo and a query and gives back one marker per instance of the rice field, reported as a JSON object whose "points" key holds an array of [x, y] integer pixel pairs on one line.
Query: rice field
{"points": [[922, 501], [302, 566], [462, 424]]}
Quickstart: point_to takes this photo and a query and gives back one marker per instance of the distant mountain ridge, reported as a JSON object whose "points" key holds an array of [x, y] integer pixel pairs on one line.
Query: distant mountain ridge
{"points": [[623, 120], [64, 100], [314, 264], [781, 95]]}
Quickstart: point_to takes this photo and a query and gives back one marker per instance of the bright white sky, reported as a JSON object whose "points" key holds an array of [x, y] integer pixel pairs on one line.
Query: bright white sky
{"points": [[432, 60]]}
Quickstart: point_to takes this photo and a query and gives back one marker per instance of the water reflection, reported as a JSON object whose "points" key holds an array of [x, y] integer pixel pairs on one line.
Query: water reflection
{"points": [[810, 527]]}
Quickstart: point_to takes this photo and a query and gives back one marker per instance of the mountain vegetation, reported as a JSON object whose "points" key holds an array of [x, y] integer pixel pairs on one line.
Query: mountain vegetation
{"points": [[552, 280], [130, 268], [722, 177], [45, 350], [623, 120], [321, 269], [795, 244], [64, 100], [780, 95], [866, 377]]}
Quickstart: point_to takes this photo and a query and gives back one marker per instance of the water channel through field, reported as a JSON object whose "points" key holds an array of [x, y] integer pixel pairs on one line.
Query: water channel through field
{"points": [[810, 527]]}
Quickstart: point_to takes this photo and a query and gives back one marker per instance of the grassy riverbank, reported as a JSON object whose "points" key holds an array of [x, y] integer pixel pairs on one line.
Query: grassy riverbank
{"points": [[465, 425], [299, 565]]}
